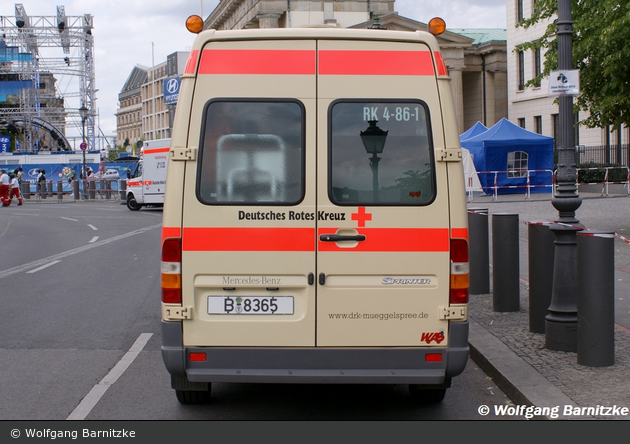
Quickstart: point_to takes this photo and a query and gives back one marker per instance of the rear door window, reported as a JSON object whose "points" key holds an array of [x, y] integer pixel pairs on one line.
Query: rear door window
{"points": [[252, 153], [380, 153]]}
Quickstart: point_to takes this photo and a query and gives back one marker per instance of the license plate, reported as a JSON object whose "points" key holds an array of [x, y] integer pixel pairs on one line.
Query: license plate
{"points": [[252, 305]]}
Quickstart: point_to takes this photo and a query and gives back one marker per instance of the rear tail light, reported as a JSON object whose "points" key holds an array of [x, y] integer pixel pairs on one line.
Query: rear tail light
{"points": [[171, 271], [459, 271]]}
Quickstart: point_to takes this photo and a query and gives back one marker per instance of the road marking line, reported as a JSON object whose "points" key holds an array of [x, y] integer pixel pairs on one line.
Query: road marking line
{"points": [[93, 397], [92, 227], [68, 218], [25, 267], [94, 239], [43, 266]]}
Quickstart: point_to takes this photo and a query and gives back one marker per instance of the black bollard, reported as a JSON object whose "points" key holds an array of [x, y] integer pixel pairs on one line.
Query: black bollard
{"points": [[92, 188], [123, 190], [25, 189], [596, 298], [505, 262], [59, 190], [75, 189], [479, 251], [541, 255]]}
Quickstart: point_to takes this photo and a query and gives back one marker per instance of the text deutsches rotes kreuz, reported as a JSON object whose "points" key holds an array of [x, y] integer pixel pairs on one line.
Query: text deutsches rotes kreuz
{"points": [[291, 215]]}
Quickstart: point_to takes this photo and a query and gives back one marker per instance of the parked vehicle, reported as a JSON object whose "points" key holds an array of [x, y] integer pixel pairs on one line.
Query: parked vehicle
{"points": [[315, 223], [148, 181]]}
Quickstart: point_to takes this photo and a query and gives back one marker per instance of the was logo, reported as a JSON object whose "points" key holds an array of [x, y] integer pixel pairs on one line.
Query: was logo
{"points": [[430, 337]]}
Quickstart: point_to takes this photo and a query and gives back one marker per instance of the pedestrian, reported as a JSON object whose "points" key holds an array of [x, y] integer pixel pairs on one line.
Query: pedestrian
{"points": [[41, 183], [72, 175], [15, 189], [5, 185], [19, 174]]}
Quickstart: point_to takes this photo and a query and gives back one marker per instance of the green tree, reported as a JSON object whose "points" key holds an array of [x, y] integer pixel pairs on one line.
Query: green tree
{"points": [[601, 51]]}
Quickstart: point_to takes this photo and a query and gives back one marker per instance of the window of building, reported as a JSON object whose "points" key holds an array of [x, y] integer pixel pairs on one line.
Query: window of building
{"points": [[537, 65], [519, 10], [521, 70], [252, 153], [538, 124], [517, 164], [380, 153], [521, 122]]}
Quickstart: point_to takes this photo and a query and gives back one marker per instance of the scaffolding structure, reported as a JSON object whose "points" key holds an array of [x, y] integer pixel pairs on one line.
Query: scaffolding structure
{"points": [[55, 48]]}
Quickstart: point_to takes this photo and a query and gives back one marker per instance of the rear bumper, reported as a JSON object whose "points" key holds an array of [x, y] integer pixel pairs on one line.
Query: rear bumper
{"points": [[316, 365]]}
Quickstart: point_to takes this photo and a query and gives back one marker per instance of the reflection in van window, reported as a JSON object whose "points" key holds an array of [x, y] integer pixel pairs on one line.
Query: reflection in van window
{"points": [[252, 153], [380, 153]]}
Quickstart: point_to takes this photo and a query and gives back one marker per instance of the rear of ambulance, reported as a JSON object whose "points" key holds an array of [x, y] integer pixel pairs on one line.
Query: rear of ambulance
{"points": [[315, 226]]}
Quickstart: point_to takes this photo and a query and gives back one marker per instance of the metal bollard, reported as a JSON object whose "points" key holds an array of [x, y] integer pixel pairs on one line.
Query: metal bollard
{"points": [[596, 298], [92, 187], [49, 186], [541, 256], [123, 190], [505, 262], [25, 189], [59, 191], [75, 189], [479, 251]]}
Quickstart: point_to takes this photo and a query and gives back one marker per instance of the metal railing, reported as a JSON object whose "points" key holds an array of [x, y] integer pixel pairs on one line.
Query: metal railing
{"points": [[528, 186], [606, 181], [86, 190]]}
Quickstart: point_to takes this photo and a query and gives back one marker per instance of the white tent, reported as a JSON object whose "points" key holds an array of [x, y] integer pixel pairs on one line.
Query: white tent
{"points": [[471, 178]]}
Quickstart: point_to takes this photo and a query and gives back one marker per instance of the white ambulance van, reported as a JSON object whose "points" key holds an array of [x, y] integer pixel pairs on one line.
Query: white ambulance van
{"points": [[148, 182], [315, 225]]}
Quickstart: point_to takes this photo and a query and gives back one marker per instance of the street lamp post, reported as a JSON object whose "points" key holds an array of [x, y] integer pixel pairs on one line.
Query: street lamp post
{"points": [[561, 322], [83, 112], [373, 139]]}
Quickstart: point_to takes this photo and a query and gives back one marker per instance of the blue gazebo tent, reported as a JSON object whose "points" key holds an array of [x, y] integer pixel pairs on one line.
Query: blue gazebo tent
{"points": [[473, 131], [508, 152]]}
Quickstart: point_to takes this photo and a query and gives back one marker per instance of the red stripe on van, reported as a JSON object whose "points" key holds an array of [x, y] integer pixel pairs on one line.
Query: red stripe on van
{"points": [[170, 232], [459, 233], [257, 61], [441, 65], [191, 63], [156, 150], [248, 239], [394, 240], [376, 63]]}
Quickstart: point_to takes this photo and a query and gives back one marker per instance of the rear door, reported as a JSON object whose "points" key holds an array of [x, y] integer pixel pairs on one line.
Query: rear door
{"points": [[382, 200], [249, 224]]}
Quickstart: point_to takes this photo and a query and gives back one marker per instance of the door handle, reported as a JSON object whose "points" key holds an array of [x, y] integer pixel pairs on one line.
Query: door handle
{"points": [[341, 237]]}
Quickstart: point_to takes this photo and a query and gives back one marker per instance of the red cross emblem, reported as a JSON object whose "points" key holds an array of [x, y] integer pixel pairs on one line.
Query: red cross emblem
{"points": [[361, 216]]}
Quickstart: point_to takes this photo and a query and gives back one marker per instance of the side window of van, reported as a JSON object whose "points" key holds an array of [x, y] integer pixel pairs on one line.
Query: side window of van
{"points": [[252, 152], [380, 153]]}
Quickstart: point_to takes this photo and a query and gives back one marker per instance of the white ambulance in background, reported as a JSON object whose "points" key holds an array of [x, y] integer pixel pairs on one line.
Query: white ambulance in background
{"points": [[315, 226], [148, 182]]}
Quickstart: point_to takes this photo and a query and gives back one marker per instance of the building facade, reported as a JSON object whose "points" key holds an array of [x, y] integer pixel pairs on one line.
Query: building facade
{"points": [[129, 114], [143, 114], [532, 107], [476, 59]]}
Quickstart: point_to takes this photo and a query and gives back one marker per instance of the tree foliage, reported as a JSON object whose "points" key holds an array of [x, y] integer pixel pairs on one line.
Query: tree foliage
{"points": [[601, 51]]}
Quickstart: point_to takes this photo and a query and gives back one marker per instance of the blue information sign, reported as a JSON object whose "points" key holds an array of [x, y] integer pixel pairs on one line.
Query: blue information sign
{"points": [[171, 90]]}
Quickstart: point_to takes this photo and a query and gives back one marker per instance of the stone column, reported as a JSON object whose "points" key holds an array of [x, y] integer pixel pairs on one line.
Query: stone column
{"points": [[458, 95], [268, 20]]}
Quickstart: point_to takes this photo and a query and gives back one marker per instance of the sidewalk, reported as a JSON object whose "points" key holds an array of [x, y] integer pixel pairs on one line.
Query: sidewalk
{"points": [[517, 360]]}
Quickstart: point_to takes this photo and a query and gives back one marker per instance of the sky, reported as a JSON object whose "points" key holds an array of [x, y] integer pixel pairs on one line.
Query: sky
{"points": [[144, 32]]}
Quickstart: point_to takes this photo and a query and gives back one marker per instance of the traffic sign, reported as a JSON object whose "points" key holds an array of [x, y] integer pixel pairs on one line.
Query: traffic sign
{"points": [[83, 146]]}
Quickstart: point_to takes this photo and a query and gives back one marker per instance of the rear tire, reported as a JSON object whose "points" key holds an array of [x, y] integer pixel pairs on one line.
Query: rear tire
{"points": [[426, 396], [132, 203], [193, 396]]}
